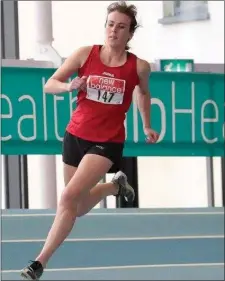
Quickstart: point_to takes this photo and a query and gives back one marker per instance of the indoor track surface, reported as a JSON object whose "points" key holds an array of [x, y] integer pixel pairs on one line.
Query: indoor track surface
{"points": [[120, 244]]}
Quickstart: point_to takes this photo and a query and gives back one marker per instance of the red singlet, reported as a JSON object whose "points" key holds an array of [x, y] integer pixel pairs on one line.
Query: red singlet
{"points": [[100, 112]]}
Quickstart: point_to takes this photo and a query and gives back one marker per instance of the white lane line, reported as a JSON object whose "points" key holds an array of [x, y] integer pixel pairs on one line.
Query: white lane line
{"points": [[120, 214], [120, 238], [124, 267]]}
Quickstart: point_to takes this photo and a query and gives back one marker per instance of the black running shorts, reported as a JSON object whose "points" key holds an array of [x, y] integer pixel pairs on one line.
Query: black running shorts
{"points": [[74, 148]]}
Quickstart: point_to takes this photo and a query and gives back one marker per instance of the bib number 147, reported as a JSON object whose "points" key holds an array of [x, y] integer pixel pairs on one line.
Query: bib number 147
{"points": [[105, 97]]}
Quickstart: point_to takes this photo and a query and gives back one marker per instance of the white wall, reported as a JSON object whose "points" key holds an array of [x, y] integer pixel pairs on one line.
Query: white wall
{"points": [[203, 40], [164, 182], [3, 198], [75, 25], [177, 182]]}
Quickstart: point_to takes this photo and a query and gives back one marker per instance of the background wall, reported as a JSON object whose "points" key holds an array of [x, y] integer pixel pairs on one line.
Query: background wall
{"points": [[75, 25]]}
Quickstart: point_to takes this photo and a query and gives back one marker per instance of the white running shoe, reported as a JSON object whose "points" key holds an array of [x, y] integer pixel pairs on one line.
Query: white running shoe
{"points": [[125, 189]]}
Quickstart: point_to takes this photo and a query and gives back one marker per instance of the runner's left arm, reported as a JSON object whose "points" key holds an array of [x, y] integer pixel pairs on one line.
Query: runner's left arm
{"points": [[142, 92]]}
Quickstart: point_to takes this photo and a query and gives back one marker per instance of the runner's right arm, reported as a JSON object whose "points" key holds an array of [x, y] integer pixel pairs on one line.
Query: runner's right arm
{"points": [[57, 84]]}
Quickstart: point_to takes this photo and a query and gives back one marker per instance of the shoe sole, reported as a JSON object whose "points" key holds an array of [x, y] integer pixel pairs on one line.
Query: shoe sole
{"points": [[131, 191], [26, 276]]}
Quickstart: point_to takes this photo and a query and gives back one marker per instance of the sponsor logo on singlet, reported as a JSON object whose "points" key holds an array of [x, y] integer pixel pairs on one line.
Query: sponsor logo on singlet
{"points": [[105, 90], [108, 74]]}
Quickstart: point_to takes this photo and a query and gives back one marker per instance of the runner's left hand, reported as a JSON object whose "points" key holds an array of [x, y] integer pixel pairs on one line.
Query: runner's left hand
{"points": [[151, 135]]}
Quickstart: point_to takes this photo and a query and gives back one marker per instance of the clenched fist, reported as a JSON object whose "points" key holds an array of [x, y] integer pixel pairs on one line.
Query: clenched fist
{"points": [[78, 84]]}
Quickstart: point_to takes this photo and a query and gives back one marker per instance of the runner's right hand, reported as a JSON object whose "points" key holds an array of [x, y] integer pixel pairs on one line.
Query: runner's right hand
{"points": [[78, 84]]}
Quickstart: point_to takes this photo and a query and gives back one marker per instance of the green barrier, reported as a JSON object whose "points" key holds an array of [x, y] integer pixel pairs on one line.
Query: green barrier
{"points": [[187, 111]]}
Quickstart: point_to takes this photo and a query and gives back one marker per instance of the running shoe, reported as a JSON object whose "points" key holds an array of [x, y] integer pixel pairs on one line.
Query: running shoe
{"points": [[33, 271], [125, 189]]}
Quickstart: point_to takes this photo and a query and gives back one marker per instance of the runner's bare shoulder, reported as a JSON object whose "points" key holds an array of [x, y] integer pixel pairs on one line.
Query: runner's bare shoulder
{"points": [[72, 63]]}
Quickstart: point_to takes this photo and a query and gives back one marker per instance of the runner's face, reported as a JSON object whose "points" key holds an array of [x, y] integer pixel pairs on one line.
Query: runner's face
{"points": [[118, 29]]}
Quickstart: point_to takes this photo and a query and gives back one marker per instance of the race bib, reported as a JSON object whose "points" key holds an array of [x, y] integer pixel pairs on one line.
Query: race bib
{"points": [[105, 90]]}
